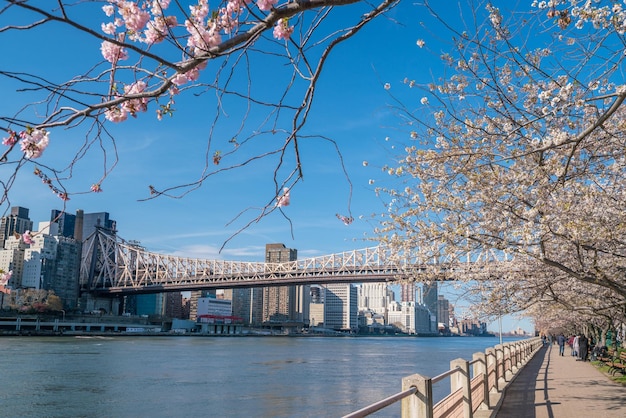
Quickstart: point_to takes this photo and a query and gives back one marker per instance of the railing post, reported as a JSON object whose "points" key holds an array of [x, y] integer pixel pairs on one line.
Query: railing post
{"points": [[507, 362], [492, 364], [419, 405], [514, 359], [480, 366], [500, 367], [461, 380]]}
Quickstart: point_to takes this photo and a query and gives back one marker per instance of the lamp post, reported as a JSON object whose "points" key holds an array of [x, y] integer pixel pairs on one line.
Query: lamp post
{"points": [[62, 310]]}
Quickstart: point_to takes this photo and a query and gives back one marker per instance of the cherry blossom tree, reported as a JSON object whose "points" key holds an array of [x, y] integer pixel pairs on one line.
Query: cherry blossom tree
{"points": [[516, 146], [259, 62]]}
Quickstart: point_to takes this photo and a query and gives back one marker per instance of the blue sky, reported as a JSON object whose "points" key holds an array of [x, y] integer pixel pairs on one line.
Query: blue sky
{"points": [[351, 107]]}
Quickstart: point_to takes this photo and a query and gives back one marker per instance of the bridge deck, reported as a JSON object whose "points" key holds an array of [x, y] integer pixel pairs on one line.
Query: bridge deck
{"points": [[113, 266]]}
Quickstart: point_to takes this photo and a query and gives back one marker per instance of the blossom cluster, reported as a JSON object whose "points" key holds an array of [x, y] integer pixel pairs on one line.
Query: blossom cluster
{"points": [[27, 237], [601, 17], [46, 180], [33, 142], [148, 23], [131, 106], [347, 220], [284, 199]]}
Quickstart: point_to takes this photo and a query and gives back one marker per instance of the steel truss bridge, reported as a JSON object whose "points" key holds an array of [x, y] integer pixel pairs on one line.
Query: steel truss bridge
{"points": [[113, 267]]}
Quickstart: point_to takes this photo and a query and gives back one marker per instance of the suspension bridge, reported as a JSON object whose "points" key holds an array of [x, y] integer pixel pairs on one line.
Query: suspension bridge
{"points": [[114, 267]]}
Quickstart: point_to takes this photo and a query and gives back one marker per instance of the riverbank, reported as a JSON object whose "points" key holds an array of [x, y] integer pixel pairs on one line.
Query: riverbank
{"points": [[32, 325]]}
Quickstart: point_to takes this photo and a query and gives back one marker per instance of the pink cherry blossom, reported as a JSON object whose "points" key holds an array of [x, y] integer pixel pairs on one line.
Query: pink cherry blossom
{"points": [[27, 238], [158, 28], [284, 199], [10, 140], [282, 30], [34, 142], [112, 52], [134, 17], [135, 105], [96, 188], [115, 115], [266, 4], [159, 5], [347, 220], [202, 38], [109, 10], [108, 28], [182, 78]]}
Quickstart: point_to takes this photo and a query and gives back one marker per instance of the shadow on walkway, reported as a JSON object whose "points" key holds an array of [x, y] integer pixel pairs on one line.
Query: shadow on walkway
{"points": [[519, 399], [554, 386]]}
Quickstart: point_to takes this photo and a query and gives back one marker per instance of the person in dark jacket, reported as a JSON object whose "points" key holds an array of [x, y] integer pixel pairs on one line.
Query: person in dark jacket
{"points": [[561, 341], [583, 343]]}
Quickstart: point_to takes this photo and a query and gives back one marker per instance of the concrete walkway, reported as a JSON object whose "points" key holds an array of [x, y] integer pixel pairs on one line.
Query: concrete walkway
{"points": [[553, 386]]}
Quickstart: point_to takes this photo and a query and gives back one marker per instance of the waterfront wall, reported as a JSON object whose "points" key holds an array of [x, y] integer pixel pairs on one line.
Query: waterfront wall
{"points": [[103, 325]]}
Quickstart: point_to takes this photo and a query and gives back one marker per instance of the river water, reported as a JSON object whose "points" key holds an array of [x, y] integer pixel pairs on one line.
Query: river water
{"points": [[216, 376]]}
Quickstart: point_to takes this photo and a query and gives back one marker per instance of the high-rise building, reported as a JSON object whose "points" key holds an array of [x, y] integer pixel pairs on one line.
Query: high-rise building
{"points": [[65, 221], [16, 222], [341, 307], [91, 221], [374, 297], [39, 258], [430, 298], [282, 303], [174, 305], [150, 304], [443, 311], [64, 279], [242, 306], [12, 259], [407, 292]]}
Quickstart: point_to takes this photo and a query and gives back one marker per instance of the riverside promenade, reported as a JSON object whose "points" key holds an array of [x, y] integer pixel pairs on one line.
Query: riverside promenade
{"points": [[553, 386]]}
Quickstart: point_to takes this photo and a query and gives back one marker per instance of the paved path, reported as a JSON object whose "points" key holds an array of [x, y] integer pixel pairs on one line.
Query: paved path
{"points": [[553, 386]]}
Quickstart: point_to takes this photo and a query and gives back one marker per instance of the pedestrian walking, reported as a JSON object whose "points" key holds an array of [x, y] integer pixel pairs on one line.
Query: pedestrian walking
{"points": [[561, 341], [575, 346], [583, 347]]}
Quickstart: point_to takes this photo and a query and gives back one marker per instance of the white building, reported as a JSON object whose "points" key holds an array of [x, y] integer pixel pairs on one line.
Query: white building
{"points": [[12, 259], [412, 317], [341, 307], [376, 298], [39, 256], [212, 306]]}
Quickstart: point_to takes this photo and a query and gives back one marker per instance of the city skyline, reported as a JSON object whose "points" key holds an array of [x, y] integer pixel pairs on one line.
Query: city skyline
{"points": [[509, 323]]}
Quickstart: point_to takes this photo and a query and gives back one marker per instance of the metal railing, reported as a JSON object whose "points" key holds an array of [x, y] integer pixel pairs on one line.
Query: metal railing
{"points": [[470, 388]]}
